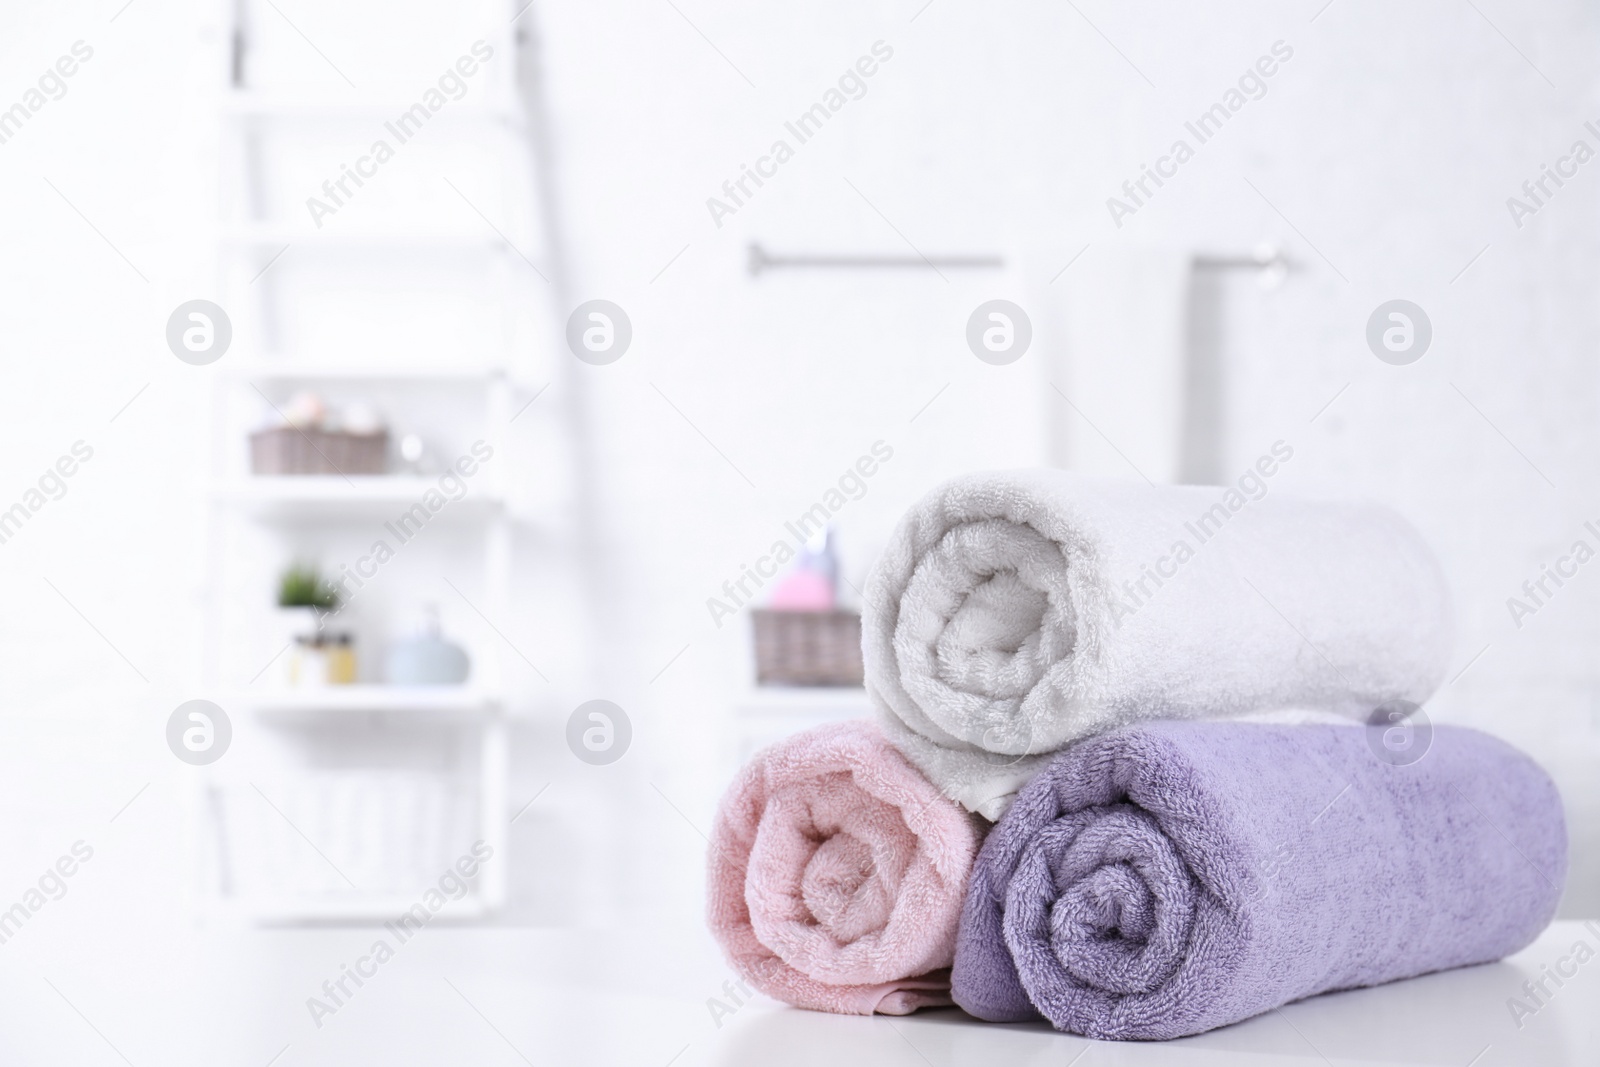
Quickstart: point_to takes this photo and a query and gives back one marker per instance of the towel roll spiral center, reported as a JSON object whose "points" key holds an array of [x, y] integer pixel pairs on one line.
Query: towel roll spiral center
{"points": [[999, 619], [1115, 904]]}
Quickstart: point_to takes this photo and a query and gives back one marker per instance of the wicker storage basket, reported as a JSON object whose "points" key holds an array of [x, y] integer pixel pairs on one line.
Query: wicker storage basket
{"points": [[286, 450], [807, 647]]}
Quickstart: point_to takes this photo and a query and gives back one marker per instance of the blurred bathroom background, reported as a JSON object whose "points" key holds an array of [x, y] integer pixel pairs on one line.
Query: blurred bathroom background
{"points": [[777, 337]]}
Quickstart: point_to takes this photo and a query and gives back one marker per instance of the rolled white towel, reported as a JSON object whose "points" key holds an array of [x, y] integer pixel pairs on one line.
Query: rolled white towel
{"points": [[1016, 611]]}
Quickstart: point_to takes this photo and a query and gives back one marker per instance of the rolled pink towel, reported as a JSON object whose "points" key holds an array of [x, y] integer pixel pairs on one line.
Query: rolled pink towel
{"points": [[837, 875]]}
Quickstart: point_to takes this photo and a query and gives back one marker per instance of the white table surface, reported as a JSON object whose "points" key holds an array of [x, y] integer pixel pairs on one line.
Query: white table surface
{"points": [[488, 996]]}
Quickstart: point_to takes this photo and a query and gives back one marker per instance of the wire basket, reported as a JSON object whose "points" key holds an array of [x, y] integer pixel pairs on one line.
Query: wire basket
{"points": [[807, 647], [389, 832], [286, 450]]}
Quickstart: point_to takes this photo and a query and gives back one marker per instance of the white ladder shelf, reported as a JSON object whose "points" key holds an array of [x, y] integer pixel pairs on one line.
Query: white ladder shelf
{"points": [[290, 505]]}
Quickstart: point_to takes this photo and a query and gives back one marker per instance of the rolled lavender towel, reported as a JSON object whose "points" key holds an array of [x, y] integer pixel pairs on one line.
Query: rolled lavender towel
{"points": [[837, 874], [1016, 611], [1171, 877]]}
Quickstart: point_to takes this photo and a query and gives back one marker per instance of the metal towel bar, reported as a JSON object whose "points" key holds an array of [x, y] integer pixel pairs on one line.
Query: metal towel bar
{"points": [[1267, 258], [762, 260]]}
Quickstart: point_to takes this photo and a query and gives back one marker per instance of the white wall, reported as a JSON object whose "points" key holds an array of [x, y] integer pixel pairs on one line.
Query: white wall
{"points": [[1391, 141]]}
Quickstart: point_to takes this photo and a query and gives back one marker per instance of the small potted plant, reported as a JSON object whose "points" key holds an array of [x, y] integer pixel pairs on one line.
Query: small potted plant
{"points": [[305, 598]]}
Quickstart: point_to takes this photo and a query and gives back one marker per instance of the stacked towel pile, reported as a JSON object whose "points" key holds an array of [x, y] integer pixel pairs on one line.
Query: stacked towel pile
{"points": [[1144, 765]]}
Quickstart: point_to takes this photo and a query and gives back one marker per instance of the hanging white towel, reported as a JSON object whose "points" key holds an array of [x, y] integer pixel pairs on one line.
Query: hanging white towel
{"points": [[1117, 373]]}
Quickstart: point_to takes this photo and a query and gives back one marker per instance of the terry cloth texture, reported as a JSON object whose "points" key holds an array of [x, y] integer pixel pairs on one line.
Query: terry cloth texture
{"points": [[1171, 877], [1014, 612], [837, 874]]}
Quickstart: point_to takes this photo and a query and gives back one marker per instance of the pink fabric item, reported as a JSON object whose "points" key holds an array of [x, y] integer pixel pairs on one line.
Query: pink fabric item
{"points": [[802, 591], [837, 875]]}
